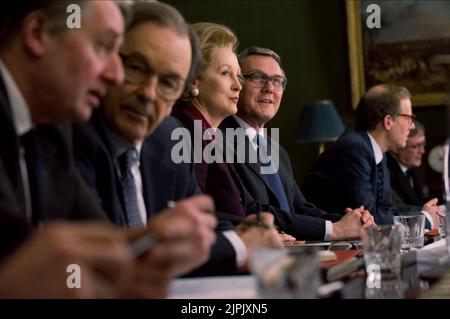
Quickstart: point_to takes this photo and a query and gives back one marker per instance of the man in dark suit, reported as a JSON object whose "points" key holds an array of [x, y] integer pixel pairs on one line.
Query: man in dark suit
{"points": [[259, 102], [131, 118], [403, 164], [162, 180], [52, 74], [35, 158], [353, 170], [408, 193]]}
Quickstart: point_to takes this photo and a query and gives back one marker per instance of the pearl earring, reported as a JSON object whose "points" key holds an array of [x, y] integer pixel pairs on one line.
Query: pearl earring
{"points": [[195, 92]]}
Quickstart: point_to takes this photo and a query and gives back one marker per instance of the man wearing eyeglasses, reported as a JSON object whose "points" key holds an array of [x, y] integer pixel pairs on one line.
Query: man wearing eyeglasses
{"points": [[116, 157], [259, 102], [408, 191], [353, 170], [111, 150]]}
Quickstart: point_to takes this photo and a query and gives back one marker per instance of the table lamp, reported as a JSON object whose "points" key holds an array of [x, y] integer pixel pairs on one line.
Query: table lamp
{"points": [[319, 122]]}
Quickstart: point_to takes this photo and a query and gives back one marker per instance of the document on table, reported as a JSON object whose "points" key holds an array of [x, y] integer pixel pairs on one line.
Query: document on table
{"points": [[222, 287]]}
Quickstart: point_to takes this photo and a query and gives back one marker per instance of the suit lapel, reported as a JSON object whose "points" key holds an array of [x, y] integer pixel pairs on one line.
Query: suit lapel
{"points": [[402, 183], [9, 147], [250, 153], [156, 174], [148, 176], [405, 184], [118, 215], [418, 189], [374, 170]]}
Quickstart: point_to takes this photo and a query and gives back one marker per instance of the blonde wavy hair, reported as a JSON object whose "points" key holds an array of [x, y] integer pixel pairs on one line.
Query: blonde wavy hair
{"points": [[213, 35]]}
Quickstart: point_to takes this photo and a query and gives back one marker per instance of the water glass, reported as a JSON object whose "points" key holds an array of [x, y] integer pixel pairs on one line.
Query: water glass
{"points": [[382, 246], [284, 274], [412, 230]]}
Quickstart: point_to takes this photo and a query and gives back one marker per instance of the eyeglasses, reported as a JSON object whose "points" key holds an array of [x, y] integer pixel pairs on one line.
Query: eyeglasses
{"points": [[260, 79], [138, 70], [416, 146], [411, 117]]}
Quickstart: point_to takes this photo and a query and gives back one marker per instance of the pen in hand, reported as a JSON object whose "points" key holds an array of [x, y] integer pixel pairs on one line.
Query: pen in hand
{"points": [[142, 245], [146, 242]]}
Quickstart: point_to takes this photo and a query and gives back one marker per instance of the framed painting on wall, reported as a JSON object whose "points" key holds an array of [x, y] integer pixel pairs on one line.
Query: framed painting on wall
{"points": [[411, 48]]}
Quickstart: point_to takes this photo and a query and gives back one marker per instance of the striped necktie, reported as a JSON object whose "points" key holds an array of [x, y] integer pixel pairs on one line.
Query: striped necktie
{"points": [[126, 161]]}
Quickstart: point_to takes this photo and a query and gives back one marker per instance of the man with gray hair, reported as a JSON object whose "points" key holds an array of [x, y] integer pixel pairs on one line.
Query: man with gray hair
{"points": [[51, 74], [408, 191], [259, 102], [158, 54], [134, 116]]}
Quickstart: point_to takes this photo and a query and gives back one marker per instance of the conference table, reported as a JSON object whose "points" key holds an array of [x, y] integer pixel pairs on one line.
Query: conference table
{"points": [[422, 271]]}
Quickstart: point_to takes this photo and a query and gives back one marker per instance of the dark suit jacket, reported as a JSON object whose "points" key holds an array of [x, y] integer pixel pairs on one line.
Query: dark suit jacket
{"points": [[400, 183], [305, 221], [13, 231], [60, 192], [345, 175], [162, 179]]}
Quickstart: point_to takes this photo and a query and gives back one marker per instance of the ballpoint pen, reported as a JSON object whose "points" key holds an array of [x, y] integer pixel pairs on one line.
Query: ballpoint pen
{"points": [[146, 242], [142, 245]]}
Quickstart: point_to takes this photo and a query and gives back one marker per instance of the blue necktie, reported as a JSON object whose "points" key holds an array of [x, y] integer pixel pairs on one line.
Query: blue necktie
{"points": [[274, 179], [126, 162]]}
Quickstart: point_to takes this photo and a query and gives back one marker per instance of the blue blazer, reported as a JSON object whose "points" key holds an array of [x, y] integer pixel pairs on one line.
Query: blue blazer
{"points": [[345, 175]]}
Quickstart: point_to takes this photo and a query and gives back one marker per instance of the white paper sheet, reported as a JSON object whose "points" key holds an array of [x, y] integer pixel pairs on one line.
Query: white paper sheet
{"points": [[224, 287]]}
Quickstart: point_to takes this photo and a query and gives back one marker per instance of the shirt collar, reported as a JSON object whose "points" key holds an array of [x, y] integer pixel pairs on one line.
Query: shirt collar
{"points": [[19, 107], [376, 150], [403, 168], [119, 144], [249, 130]]}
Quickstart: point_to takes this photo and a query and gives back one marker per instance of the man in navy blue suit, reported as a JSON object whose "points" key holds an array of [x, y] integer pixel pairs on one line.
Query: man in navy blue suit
{"points": [[353, 170], [134, 116]]}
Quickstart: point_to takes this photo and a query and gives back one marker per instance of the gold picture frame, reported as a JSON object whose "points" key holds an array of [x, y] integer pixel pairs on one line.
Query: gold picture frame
{"points": [[359, 66]]}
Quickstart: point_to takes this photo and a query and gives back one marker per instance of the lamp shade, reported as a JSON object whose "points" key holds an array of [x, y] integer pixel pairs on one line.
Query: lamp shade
{"points": [[319, 122]]}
